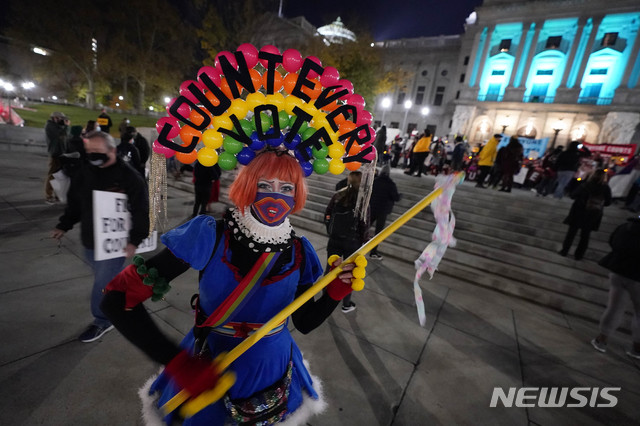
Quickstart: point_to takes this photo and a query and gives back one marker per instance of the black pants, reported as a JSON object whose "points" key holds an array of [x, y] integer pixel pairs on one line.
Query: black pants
{"points": [[484, 172], [417, 161], [583, 244], [380, 219], [202, 197]]}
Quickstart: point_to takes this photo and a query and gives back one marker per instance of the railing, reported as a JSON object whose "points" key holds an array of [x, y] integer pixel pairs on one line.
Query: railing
{"points": [[538, 99], [594, 100], [490, 98]]}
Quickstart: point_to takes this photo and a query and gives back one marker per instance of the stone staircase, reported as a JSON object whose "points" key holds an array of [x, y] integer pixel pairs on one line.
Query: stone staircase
{"points": [[506, 242]]}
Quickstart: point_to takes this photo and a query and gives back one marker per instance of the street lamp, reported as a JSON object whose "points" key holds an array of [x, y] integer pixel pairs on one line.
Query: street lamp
{"points": [[557, 129], [425, 111], [386, 103], [407, 107]]}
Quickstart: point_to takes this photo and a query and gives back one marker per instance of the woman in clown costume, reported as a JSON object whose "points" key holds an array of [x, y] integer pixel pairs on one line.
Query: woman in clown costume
{"points": [[251, 265]]}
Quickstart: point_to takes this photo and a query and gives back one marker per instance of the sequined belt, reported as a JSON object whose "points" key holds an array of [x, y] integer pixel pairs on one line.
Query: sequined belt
{"points": [[244, 329]]}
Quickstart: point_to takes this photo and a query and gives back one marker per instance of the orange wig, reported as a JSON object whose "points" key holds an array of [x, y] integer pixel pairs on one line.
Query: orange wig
{"points": [[268, 165]]}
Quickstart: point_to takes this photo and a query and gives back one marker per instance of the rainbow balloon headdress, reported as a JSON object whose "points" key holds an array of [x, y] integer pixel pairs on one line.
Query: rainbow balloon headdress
{"points": [[250, 100]]}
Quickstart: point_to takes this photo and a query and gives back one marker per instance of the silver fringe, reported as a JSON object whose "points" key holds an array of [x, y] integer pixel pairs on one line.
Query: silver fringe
{"points": [[366, 187]]}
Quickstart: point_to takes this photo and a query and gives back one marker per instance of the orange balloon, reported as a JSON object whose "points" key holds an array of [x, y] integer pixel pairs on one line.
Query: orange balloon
{"points": [[224, 86], [290, 82], [187, 133], [187, 158], [315, 92], [277, 81], [355, 149], [352, 166], [346, 127], [212, 98], [256, 79], [330, 107], [195, 117]]}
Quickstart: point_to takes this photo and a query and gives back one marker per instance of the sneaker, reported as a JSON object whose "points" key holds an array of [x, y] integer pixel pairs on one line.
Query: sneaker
{"points": [[94, 332], [375, 256], [599, 346], [50, 201], [351, 307], [633, 354]]}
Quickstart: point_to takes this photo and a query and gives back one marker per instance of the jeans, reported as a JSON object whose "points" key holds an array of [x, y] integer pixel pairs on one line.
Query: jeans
{"points": [[621, 288], [103, 271], [564, 177]]}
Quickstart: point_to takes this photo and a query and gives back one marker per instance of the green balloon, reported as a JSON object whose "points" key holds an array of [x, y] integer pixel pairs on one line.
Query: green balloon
{"points": [[307, 133], [320, 153], [231, 145], [265, 121], [227, 161], [320, 166], [247, 126], [283, 119], [304, 126]]}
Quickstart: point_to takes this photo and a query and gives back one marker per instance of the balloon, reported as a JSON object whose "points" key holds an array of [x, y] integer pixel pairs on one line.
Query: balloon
{"points": [[230, 56], [330, 77], [247, 126], [276, 99], [187, 158], [346, 84], [315, 92], [320, 153], [250, 53], [211, 72], [224, 86], [312, 73], [291, 60], [207, 156], [336, 150], [239, 108], [270, 49], [346, 127], [196, 118], [277, 81], [289, 103], [231, 145], [183, 109], [173, 122], [364, 117], [371, 155], [320, 121], [352, 166], [161, 149], [212, 98], [256, 143], [362, 134], [222, 122], [357, 101], [294, 142], [276, 141], [265, 121], [283, 119], [336, 166], [245, 156], [184, 91], [307, 133], [212, 139], [187, 133], [256, 79], [255, 99], [299, 156], [307, 168], [321, 166], [227, 161], [355, 149], [290, 82]]}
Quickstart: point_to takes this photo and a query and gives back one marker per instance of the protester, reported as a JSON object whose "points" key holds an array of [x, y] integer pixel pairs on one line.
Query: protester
{"points": [[104, 121], [383, 195], [142, 144], [105, 172], [437, 155], [419, 154], [510, 163], [75, 156], [129, 153], [486, 159], [91, 126], [566, 165], [396, 150], [255, 233], [586, 212], [380, 143], [459, 152], [346, 232], [549, 173], [203, 178], [624, 284], [56, 133], [122, 128]]}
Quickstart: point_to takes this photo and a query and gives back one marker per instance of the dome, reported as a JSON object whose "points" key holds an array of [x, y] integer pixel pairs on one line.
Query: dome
{"points": [[336, 32]]}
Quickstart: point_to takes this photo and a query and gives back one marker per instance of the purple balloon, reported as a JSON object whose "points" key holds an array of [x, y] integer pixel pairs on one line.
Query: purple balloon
{"points": [[245, 156]]}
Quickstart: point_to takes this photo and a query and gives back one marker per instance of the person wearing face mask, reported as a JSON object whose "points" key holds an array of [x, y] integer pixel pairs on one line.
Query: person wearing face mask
{"points": [[104, 171], [252, 264]]}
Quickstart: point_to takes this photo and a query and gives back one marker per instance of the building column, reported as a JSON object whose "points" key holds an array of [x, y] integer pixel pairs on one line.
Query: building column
{"points": [[572, 52], [485, 52], [631, 61], [530, 54], [472, 58], [587, 53], [523, 40]]}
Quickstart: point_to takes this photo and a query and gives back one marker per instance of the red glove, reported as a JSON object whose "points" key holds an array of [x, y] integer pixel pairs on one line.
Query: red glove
{"points": [[130, 283], [338, 289], [193, 374]]}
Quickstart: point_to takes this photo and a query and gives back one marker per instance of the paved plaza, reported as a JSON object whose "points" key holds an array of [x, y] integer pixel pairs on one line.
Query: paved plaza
{"points": [[377, 364]]}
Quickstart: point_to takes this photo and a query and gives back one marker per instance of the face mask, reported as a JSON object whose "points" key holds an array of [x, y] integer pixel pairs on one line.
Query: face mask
{"points": [[271, 208], [97, 159]]}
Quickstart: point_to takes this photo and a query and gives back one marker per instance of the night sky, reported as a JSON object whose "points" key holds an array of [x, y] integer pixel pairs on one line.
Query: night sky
{"points": [[387, 19]]}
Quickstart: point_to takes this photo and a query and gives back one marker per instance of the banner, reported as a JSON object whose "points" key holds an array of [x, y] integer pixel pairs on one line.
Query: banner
{"points": [[532, 148], [111, 225], [612, 149]]}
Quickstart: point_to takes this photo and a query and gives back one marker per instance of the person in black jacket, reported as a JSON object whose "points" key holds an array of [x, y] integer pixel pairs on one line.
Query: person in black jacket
{"points": [[142, 145], [624, 281], [105, 171], [203, 178], [566, 166], [586, 212], [383, 195], [129, 153]]}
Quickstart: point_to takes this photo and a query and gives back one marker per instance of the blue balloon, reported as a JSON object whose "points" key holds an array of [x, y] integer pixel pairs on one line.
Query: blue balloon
{"points": [[274, 142], [307, 167], [292, 145], [245, 156], [256, 143], [300, 157]]}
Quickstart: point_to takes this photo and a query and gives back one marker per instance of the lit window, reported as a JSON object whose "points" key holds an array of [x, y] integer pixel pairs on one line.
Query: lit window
{"points": [[505, 45], [420, 95], [439, 95], [497, 72], [598, 71], [553, 42], [609, 39], [544, 72], [401, 97]]}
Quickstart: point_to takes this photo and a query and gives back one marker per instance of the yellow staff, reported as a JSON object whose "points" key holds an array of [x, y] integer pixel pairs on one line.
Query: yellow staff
{"points": [[224, 361]]}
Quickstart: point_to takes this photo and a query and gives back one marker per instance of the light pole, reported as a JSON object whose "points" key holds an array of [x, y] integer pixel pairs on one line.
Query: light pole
{"points": [[407, 107], [555, 136], [386, 103]]}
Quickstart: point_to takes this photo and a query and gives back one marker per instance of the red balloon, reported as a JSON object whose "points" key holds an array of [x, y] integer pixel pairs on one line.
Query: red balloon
{"points": [[330, 77], [346, 84], [357, 101], [250, 53], [363, 134], [161, 149], [183, 109], [229, 56], [312, 73], [291, 60], [270, 49], [211, 72], [173, 122], [364, 117], [184, 90]]}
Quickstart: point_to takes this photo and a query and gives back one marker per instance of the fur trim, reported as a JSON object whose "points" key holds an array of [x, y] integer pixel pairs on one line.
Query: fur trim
{"points": [[150, 412]]}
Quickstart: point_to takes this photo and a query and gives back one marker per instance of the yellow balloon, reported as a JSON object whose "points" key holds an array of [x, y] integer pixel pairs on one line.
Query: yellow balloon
{"points": [[212, 139], [357, 284], [290, 102], [358, 272], [276, 99], [207, 156], [336, 150], [332, 259], [336, 166], [223, 122], [255, 99], [319, 121], [361, 261], [239, 108]]}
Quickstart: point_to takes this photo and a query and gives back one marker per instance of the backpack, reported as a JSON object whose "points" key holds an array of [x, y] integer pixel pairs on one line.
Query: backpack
{"points": [[342, 223], [595, 202]]}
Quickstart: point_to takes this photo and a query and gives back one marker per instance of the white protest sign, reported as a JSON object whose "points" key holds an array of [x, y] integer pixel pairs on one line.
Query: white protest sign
{"points": [[111, 225]]}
